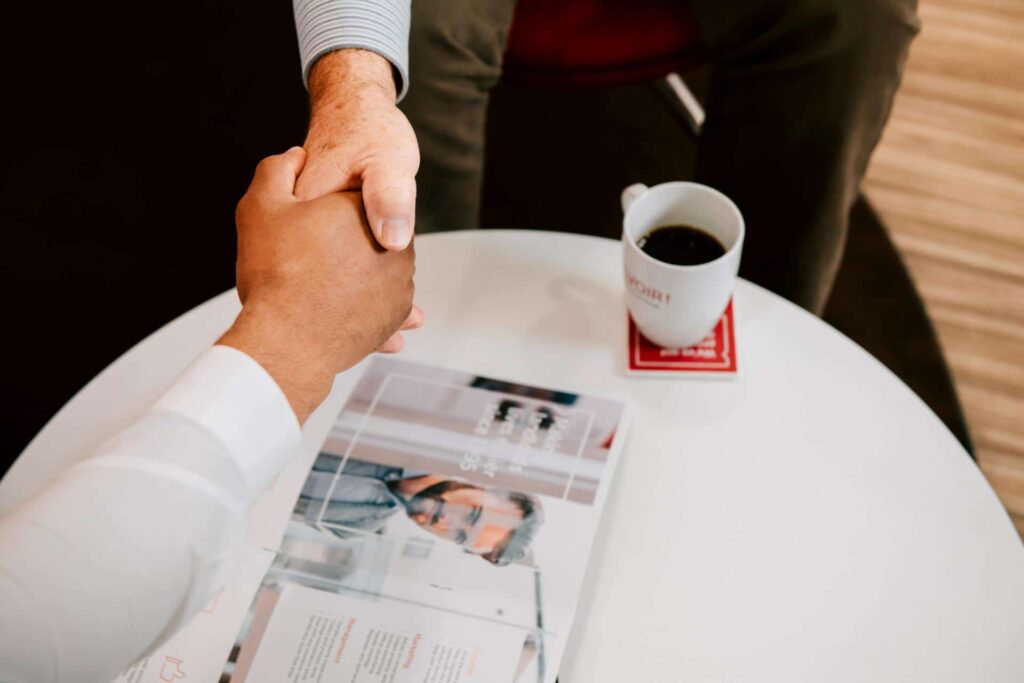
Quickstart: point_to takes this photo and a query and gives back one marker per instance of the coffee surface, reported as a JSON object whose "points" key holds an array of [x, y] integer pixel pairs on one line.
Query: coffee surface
{"points": [[681, 245]]}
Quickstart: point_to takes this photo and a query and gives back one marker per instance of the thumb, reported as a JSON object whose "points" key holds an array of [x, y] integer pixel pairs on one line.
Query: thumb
{"points": [[389, 195], [275, 176]]}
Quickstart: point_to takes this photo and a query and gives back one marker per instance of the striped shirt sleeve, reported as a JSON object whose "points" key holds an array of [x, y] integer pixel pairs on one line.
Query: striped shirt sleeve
{"points": [[381, 26]]}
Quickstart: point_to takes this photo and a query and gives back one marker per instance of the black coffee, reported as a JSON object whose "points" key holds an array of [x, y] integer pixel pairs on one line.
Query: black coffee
{"points": [[681, 245]]}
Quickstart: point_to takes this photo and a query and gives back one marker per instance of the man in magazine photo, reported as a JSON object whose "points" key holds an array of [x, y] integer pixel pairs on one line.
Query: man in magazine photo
{"points": [[514, 474], [495, 524]]}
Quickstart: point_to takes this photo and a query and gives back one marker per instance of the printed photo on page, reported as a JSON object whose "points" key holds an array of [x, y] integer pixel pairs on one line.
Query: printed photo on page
{"points": [[441, 535]]}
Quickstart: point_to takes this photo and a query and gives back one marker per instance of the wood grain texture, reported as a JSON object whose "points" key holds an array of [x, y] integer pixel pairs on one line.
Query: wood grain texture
{"points": [[948, 178]]}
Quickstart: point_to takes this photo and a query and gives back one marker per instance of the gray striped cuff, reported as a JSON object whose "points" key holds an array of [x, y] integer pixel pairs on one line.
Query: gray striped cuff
{"points": [[381, 26]]}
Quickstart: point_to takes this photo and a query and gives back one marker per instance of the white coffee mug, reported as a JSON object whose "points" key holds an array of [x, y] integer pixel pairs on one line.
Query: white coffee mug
{"points": [[678, 306]]}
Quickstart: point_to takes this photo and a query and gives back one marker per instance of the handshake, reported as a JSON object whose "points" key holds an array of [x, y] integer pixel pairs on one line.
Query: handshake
{"points": [[318, 291], [325, 274]]}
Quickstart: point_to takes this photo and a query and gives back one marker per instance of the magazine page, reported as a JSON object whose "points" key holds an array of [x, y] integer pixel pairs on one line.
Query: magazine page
{"points": [[314, 635], [441, 535]]}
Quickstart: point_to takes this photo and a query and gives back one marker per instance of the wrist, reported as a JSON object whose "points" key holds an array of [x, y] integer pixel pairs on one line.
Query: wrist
{"points": [[301, 371], [351, 73]]}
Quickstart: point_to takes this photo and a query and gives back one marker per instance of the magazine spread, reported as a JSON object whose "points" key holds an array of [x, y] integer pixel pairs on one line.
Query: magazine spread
{"points": [[441, 535]]}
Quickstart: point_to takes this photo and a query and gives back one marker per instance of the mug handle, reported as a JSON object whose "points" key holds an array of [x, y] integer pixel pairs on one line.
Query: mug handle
{"points": [[630, 194]]}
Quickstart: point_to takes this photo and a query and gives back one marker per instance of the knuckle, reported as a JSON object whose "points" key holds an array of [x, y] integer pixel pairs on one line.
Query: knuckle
{"points": [[266, 163]]}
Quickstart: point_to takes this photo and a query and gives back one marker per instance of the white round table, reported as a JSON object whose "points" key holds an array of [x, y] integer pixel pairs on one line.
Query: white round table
{"points": [[810, 521]]}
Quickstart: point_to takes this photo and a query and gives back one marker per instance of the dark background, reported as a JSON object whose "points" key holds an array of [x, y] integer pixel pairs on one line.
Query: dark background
{"points": [[130, 130]]}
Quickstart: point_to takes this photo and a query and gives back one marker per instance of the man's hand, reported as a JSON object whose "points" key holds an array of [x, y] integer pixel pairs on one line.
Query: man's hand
{"points": [[318, 293], [359, 140]]}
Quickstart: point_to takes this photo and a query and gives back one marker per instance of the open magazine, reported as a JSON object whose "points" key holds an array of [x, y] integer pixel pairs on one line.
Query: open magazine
{"points": [[440, 535]]}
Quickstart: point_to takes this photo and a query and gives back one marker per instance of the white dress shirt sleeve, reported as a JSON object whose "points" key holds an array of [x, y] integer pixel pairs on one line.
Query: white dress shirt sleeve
{"points": [[122, 549]]}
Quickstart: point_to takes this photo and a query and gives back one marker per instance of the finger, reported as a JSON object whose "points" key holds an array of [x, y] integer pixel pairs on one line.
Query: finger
{"points": [[275, 176], [319, 177], [393, 345], [389, 193], [414, 320], [396, 342]]}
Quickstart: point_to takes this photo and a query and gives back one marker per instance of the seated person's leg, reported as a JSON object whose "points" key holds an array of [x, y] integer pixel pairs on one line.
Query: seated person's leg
{"points": [[799, 93], [455, 52]]}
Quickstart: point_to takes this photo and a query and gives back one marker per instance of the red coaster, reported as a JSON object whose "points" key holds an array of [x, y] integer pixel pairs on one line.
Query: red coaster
{"points": [[713, 357]]}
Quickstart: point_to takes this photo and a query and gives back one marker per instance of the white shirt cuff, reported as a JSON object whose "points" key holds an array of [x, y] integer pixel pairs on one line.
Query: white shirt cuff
{"points": [[232, 397]]}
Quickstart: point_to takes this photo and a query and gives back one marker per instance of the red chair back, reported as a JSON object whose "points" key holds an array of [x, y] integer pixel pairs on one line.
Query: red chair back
{"points": [[601, 42]]}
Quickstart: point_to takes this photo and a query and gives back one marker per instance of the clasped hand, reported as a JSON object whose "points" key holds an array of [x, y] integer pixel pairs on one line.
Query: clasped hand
{"points": [[318, 292]]}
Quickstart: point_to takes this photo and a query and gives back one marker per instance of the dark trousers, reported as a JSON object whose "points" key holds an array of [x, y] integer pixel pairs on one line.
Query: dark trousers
{"points": [[798, 95]]}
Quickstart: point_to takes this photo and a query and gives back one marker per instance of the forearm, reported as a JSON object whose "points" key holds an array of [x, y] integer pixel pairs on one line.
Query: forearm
{"points": [[379, 26], [122, 549], [350, 73], [108, 562], [300, 366]]}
